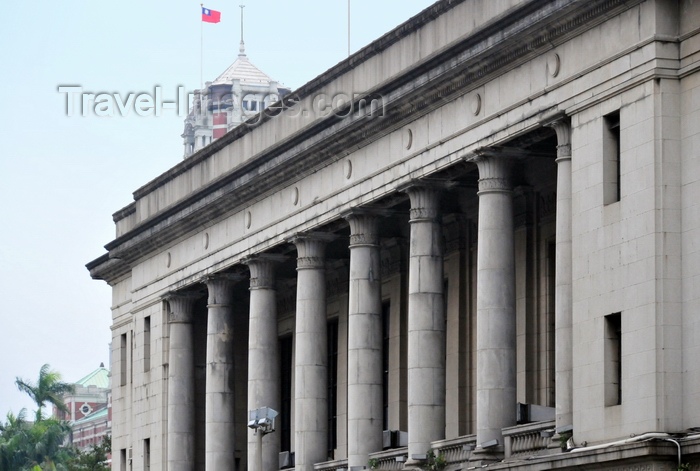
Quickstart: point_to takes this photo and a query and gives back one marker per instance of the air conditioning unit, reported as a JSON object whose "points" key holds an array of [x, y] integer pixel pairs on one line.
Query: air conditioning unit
{"points": [[527, 413], [394, 439], [286, 459]]}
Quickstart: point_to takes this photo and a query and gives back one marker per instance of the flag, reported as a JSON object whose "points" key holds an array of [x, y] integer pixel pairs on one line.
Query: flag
{"points": [[210, 16]]}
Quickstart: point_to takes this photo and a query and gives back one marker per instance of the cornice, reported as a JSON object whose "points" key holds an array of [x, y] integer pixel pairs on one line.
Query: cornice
{"points": [[497, 47]]}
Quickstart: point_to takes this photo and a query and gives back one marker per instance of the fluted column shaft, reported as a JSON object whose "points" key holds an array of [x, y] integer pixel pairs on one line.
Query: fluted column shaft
{"points": [[263, 356], [310, 343], [495, 301], [364, 340], [219, 399], [181, 384], [426, 323], [563, 301]]}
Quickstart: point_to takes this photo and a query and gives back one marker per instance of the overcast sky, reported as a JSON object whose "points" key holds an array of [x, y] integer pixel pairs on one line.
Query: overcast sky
{"points": [[62, 177]]}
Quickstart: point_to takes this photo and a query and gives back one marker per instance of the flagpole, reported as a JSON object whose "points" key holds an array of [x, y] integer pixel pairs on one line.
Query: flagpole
{"points": [[201, 53], [348, 28]]}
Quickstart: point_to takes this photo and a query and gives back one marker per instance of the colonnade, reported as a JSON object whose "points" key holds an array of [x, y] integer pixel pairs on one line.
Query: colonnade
{"points": [[496, 340]]}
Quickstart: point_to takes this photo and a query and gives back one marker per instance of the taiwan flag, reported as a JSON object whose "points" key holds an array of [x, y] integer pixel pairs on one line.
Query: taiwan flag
{"points": [[210, 16]]}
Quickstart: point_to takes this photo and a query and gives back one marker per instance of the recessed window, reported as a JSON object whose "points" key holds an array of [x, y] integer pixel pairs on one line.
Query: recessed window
{"points": [[611, 158], [332, 352], [386, 332], [613, 359], [286, 345], [122, 360], [146, 343], [147, 454]]}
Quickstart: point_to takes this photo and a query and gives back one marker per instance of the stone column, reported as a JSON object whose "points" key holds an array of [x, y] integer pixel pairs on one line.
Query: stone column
{"points": [[219, 449], [495, 302], [263, 355], [563, 301], [181, 383], [310, 343], [426, 324], [364, 340]]}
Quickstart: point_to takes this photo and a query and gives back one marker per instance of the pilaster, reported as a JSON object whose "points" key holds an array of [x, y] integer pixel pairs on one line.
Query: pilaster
{"points": [[563, 301]]}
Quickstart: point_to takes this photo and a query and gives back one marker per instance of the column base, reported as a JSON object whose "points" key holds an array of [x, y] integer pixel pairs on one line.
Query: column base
{"points": [[482, 457]]}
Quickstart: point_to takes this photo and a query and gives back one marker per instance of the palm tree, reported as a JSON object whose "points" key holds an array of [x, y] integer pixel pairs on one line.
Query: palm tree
{"points": [[49, 388]]}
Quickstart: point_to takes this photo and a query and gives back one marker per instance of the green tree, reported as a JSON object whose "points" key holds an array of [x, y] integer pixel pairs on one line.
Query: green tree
{"points": [[94, 459], [13, 438], [33, 446], [48, 388]]}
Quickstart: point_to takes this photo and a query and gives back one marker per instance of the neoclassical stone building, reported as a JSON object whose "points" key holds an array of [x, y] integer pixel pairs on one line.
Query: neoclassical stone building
{"points": [[479, 235]]}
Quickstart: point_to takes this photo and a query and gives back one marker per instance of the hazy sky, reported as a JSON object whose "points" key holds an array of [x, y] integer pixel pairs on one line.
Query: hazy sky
{"points": [[62, 177]]}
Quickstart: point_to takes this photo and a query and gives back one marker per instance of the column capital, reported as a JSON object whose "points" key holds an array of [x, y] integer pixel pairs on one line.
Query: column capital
{"points": [[219, 287], [425, 198], [364, 225], [311, 249], [562, 126], [181, 306], [262, 270], [495, 165]]}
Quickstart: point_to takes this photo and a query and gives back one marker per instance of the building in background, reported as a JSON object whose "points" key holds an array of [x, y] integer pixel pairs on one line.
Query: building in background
{"points": [[236, 95], [488, 251], [89, 409]]}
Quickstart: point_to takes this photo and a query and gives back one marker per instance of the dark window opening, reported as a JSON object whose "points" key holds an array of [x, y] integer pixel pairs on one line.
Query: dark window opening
{"points": [[285, 426], [386, 319], [147, 454], [613, 359], [332, 387], [122, 360], [611, 156], [146, 344]]}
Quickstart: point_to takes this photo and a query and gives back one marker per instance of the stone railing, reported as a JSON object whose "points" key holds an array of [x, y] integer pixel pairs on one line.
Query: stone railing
{"points": [[336, 465], [456, 450], [386, 460], [518, 441], [527, 439]]}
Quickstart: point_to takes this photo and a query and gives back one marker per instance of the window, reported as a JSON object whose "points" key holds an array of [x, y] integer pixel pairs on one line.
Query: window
{"points": [[122, 361], [286, 366], [613, 359], [122, 459], [611, 158], [386, 319], [147, 454], [332, 386], [146, 344], [551, 323]]}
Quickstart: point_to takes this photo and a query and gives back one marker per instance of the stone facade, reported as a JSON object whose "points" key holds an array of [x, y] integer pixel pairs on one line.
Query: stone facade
{"points": [[479, 236]]}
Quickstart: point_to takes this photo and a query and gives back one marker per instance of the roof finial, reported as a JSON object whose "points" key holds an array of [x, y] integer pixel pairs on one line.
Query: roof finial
{"points": [[241, 49]]}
